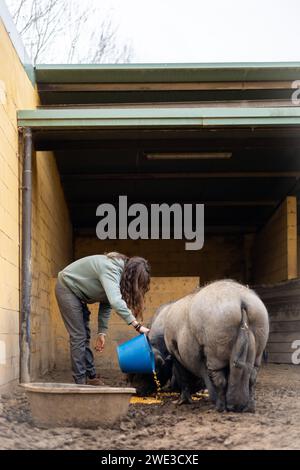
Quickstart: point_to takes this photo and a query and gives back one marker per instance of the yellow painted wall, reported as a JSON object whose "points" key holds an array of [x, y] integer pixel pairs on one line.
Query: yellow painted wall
{"points": [[52, 237], [275, 246], [220, 257], [51, 251], [163, 290]]}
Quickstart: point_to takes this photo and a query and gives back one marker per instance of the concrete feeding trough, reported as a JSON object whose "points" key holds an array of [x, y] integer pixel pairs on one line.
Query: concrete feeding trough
{"points": [[59, 404]]}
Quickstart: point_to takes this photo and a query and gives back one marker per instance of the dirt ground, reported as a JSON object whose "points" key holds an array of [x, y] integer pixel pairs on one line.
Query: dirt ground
{"points": [[275, 425]]}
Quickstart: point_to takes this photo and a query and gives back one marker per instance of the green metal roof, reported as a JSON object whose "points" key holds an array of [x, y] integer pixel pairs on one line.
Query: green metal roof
{"points": [[138, 73], [71, 85], [158, 117]]}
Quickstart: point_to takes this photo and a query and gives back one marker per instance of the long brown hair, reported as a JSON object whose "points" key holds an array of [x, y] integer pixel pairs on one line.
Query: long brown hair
{"points": [[135, 282]]}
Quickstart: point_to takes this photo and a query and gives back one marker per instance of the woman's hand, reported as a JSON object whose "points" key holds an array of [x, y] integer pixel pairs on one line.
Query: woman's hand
{"points": [[139, 328], [100, 343], [143, 329]]}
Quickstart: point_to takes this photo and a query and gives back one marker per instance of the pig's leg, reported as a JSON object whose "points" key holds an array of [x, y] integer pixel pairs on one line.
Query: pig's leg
{"points": [[208, 383], [219, 380], [182, 377], [217, 372], [250, 408]]}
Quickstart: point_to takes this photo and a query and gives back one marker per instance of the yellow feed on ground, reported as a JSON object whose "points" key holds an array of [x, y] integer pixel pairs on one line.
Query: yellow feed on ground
{"points": [[145, 401], [159, 398]]}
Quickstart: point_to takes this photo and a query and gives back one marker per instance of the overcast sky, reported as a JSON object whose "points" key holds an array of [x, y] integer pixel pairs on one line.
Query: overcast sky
{"points": [[196, 30], [210, 30]]}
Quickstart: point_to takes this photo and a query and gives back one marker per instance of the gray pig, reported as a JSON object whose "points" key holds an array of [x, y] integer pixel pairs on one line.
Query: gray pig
{"points": [[219, 334], [144, 383]]}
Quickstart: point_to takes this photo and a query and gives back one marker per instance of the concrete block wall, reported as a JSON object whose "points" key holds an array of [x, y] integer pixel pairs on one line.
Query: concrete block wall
{"points": [[51, 251], [163, 290], [16, 92], [221, 256], [51, 226]]}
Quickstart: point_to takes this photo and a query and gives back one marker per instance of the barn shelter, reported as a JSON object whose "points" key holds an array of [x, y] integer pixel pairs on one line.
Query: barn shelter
{"points": [[73, 137]]}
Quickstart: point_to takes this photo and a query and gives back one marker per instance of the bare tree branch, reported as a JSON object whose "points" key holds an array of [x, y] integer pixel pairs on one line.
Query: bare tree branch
{"points": [[74, 31], [17, 12]]}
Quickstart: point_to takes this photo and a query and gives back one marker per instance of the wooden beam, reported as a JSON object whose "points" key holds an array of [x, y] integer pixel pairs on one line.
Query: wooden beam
{"points": [[258, 203], [190, 175], [89, 230]]}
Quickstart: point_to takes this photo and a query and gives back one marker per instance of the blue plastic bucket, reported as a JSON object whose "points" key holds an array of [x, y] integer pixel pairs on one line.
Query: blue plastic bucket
{"points": [[136, 356]]}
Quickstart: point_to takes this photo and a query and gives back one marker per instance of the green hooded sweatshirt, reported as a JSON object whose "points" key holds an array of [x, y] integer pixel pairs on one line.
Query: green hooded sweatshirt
{"points": [[97, 279]]}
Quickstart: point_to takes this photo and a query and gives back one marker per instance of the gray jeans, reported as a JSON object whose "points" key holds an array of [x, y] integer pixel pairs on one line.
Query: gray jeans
{"points": [[76, 315]]}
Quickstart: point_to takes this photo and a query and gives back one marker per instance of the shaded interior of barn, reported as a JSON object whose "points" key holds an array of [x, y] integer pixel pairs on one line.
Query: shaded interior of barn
{"points": [[250, 198], [240, 193]]}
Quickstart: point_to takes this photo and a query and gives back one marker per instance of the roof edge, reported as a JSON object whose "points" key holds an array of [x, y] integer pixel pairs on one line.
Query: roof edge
{"points": [[156, 117], [189, 72]]}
